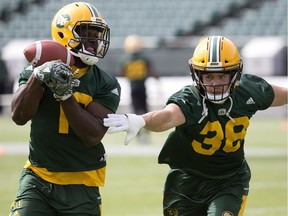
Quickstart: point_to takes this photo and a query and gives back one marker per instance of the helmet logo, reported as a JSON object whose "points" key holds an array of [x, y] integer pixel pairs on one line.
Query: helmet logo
{"points": [[62, 20]]}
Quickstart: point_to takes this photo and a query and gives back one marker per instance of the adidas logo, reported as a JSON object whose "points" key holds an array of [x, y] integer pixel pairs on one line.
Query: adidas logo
{"points": [[250, 101], [30, 67], [115, 91], [185, 101]]}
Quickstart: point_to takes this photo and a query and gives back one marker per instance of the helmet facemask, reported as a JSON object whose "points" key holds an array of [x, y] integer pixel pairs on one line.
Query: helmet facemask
{"points": [[91, 40], [216, 93]]}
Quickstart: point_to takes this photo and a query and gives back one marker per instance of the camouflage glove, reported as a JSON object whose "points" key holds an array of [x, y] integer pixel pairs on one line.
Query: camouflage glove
{"points": [[63, 91], [42, 72], [61, 79]]}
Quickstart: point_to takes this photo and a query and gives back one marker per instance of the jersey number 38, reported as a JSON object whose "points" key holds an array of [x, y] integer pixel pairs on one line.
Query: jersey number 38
{"points": [[234, 134]]}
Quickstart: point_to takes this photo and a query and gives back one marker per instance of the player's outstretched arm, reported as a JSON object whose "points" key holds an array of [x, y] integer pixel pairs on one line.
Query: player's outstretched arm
{"points": [[281, 95], [162, 120], [157, 121]]}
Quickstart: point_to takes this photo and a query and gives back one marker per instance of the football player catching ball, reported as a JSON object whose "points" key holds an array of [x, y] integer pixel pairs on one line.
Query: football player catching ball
{"points": [[209, 174], [66, 106]]}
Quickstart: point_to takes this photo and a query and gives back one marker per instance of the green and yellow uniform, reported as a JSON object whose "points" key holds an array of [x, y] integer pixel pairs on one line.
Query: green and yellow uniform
{"points": [[136, 68], [208, 150], [57, 157]]}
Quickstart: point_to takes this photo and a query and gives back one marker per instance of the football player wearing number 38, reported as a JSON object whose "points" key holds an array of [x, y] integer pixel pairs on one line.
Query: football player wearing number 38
{"points": [[209, 174], [66, 106]]}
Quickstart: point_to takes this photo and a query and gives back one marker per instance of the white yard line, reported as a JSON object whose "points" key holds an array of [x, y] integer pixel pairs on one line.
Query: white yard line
{"points": [[140, 150]]}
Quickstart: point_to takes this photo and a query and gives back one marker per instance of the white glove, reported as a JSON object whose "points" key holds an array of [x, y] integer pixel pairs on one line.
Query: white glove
{"points": [[131, 123]]}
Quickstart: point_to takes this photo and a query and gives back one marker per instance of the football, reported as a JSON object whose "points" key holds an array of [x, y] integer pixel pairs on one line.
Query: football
{"points": [[39, 52]]}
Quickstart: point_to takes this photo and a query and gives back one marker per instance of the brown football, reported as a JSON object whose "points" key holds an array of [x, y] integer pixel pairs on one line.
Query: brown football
{"points": [[42, 51]]}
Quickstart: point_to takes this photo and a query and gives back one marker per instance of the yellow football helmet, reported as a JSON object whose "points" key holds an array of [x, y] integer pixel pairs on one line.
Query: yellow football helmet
{"points": [[216, 54], [77, 24]]}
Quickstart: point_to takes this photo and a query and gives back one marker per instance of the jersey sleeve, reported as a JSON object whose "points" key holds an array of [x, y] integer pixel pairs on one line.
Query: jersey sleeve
{"points": [[109, 92], [258, 89], [25, 74], [189, 101]]}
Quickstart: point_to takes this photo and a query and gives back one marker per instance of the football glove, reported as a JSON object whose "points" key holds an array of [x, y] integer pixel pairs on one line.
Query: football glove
{"points": [[61, 80], [131, 123], [42, 72]]}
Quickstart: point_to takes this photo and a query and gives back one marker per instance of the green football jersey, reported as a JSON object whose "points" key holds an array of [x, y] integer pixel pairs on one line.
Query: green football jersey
{"points": [[53, 144], [135, 67], [214, 146]]}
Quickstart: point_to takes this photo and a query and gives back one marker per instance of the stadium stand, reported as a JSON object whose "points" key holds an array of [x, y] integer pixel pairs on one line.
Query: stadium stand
{"points": [[159, 22], [29, 18], [269, 19]]}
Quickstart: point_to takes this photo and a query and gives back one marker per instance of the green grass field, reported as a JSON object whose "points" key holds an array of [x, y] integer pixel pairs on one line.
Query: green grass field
{"points": [[134, 183]]}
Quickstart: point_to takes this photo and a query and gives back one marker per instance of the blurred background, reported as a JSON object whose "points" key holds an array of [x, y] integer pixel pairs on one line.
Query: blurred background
{"points": [[170, 32]]}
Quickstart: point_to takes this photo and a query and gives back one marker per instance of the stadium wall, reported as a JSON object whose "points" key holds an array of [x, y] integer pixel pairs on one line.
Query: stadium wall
{"points": [[170, 58]]}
